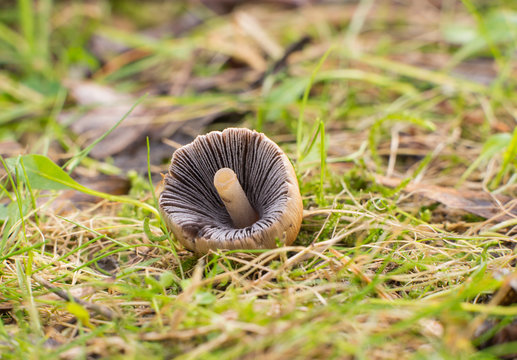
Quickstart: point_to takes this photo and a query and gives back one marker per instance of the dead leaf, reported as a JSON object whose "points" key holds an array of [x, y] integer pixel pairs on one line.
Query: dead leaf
{"points": [[482, 70], [108, 346], [75, 352], [5, 306], [10, 148], [89, 93], [476, 202], [127, 143], [225, 6], [70, 200], [107, 107], [108, 264]]}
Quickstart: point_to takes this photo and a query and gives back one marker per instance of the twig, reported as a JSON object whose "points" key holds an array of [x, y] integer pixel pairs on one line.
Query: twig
{"points": [[282, 62], [99, 309]]}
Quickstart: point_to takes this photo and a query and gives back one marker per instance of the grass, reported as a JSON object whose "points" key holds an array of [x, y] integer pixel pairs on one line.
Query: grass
{"points": [[376, 272]]}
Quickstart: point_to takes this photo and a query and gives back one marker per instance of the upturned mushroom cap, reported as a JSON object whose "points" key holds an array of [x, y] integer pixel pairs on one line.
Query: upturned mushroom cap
{"points": [[194, 211]]}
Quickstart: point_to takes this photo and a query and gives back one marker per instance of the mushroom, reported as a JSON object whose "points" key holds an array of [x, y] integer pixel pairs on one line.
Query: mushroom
{"points": [[234, 189]]}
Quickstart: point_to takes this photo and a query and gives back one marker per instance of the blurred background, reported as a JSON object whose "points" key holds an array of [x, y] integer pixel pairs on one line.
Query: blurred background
{"points": [[70, 70]]}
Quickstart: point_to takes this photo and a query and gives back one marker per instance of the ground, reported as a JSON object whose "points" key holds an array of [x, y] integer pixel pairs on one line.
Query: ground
{"points": [[398, 116]]}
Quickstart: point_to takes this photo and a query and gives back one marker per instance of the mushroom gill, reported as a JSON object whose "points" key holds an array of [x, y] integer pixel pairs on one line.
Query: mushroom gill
{"points": [[194, 210]]}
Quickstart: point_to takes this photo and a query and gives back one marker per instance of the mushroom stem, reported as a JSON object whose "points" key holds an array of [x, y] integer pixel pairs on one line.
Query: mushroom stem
{"points": [[234, 198]]}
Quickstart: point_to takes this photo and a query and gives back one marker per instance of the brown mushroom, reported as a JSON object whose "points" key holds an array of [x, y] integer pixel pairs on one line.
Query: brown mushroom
{"points": [[234, 189]]}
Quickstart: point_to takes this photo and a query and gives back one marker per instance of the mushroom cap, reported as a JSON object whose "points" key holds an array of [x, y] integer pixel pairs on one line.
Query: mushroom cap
{"points": [[196, 214]]}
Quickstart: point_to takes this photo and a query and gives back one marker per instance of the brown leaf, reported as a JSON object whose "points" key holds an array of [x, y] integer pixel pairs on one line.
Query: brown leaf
{"points": [[226, 6], [5, 306], [109, 106], [89, 93], [127, 143], [476, 202], [108, 264], [69, 200]]}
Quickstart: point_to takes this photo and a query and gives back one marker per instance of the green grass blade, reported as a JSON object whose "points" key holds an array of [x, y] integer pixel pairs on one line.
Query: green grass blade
{"points": [[493, 145], [299, 127], [43, 174], [323, 160], [26, 18], [509, 159]]}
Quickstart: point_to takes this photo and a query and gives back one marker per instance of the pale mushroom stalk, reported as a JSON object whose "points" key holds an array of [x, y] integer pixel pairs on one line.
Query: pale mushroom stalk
{"points": [[234, 198]]}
